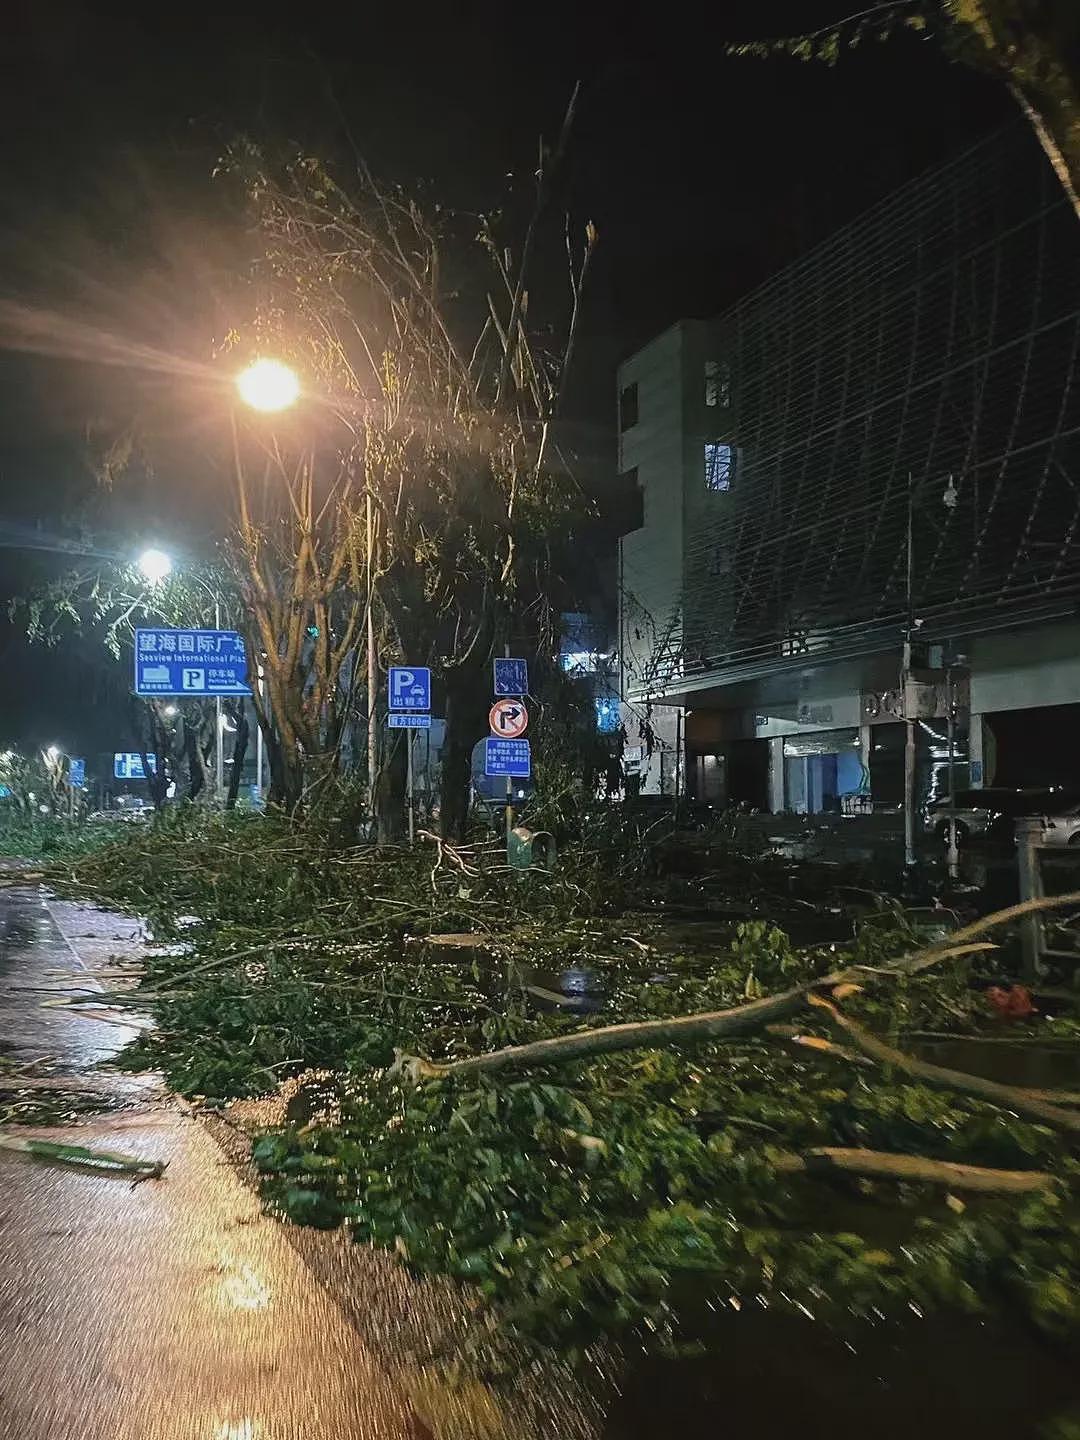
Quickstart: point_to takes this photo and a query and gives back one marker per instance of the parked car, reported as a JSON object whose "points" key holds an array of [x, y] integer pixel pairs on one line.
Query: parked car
{"points": [[988, 816], [130, 813]]}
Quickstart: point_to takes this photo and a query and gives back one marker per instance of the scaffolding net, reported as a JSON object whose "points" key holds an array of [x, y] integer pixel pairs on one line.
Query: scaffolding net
{"points": [[914, 376]]}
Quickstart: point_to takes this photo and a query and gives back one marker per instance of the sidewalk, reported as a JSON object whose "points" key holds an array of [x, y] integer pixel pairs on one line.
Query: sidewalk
{"points": [[168, 1311]]}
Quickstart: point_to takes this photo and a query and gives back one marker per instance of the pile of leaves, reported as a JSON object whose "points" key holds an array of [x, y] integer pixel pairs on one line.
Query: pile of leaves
{"points": [[25, 835], [611, 1193]]}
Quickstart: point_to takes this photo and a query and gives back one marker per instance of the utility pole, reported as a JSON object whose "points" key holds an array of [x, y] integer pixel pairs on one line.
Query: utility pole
{"points": [[906, 692], [372, 665], [219, 720], [509, 789], [260, 681], [951, 856]]}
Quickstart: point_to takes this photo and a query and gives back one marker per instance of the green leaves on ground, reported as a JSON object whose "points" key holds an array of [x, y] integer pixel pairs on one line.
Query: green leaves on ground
{"points": [[608, 1194]]}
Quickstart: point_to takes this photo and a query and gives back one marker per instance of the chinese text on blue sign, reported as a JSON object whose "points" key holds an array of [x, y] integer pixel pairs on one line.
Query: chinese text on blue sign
{"points": [[511, 677], [507, 757], [410, 687], [406, 721], [127, 765], [77, 774], [190, 662]]}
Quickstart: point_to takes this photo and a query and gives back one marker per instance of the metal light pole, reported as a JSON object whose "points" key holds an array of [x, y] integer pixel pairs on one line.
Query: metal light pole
{"points": [[905, 691], [219, 721], [372, 665]]}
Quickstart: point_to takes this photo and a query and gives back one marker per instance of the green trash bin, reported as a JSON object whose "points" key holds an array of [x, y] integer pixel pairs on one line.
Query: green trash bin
{"points": [[530, 849]]}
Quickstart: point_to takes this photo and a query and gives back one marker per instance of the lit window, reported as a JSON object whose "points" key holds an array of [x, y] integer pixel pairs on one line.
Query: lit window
{"points": [[607, 715], [581, 662], [719, 465], [717, 383]]}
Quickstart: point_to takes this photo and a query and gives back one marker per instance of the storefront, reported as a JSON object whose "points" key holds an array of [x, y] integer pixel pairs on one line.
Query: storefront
{"points": [[821, 768]]}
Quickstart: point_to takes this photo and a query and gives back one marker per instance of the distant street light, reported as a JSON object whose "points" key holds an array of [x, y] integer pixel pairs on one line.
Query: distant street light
{"points": [[154, 566], [53, 752], [268, 385]]}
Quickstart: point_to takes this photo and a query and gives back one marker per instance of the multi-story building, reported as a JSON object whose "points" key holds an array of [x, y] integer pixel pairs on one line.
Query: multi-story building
{"points": [[881, 443]]}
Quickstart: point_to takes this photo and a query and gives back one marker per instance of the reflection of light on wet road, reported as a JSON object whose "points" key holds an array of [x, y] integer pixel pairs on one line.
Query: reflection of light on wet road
{"points": [[242, 1287], [238, 1430]]}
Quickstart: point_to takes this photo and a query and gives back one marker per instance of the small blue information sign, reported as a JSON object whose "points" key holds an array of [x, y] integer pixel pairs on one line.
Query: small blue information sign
{"points": [[405, 721], [508, 757], [127, 765], [511, 677], [410, 687], [190, 662], [77, 774]]}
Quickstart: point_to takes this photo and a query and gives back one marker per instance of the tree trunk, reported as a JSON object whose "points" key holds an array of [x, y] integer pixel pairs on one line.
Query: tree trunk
{"points": [[829, 1161], [157, 780], [467, 704], [239, 754], [390, 791], [286, 778]]}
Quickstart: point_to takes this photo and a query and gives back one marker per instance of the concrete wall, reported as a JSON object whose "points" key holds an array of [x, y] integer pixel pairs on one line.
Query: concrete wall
{"points": [[1022, 669], [651, 558]]}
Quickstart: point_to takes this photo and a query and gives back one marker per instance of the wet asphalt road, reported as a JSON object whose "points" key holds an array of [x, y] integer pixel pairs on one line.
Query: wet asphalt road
{"points": [[168, 1311]]}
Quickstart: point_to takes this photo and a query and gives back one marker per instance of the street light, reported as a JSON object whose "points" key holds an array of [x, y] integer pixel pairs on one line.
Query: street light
{"points": [[154, 566], [268, 385]]}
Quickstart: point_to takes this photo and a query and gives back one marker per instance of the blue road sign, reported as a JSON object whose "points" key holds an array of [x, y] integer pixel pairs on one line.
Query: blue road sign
{"points": [[127, 765], [190, 662], [405, 721], [410, 687], [77, 773], [507, 757], [511, 677]]}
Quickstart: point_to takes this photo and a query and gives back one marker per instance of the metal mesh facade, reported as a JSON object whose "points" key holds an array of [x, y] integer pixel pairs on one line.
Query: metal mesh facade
{"points": [[924, 361]]}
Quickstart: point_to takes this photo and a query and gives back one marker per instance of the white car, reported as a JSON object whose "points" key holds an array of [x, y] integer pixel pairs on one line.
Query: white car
{"points": [[990, 814]]}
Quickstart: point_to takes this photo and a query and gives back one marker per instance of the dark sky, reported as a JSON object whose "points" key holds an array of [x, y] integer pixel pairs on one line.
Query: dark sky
{"points": [[704, 174]]}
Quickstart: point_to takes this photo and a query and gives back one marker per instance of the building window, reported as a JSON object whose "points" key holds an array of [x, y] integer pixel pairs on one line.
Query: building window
{"points": [[719, 465], [628, 413], [717, 383], [629, 503]]}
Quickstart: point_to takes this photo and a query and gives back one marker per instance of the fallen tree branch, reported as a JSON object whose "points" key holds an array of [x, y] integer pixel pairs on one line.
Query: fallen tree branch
{"points": [[711, 1024], [884, 1165], [109, 1161], [1022, 1102], [922, 959], [606, 1039]]}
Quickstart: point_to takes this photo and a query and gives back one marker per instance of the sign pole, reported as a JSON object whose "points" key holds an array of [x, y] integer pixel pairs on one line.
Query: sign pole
{"points": [[217, 721], [259, 739], [509, 793], [409, 784]]}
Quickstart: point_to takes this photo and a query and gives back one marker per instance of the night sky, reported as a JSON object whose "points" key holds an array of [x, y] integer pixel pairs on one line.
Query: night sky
{"points": [[703, 174]]}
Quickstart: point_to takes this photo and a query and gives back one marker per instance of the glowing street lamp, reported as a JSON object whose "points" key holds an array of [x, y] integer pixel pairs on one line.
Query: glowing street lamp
{"points": [[268, 385], [154, 566]]}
